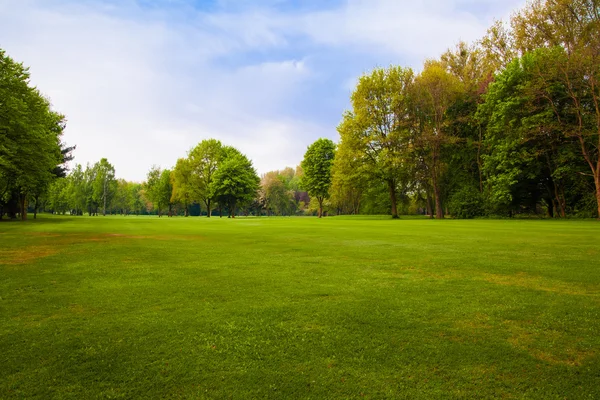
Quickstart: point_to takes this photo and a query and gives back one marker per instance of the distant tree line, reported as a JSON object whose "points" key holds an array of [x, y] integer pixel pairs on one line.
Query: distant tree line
{"points": [[506, 126]]}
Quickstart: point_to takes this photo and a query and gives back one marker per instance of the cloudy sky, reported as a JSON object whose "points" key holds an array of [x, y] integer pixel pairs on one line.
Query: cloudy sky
{"points": [[143, 81]]}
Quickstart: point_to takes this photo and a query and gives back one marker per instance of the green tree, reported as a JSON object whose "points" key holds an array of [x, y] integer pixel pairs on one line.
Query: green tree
{"points": [[30, 146], [205, 159], [435, 91], [570, 31], [104, 184], [316, 165], [136, 199], [181, 180], [348, 180], [235, 183], [77, 198], [159, 189], [378, 128]]}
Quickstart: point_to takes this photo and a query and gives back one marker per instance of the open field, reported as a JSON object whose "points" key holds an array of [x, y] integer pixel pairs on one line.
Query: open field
{"points": [[124, 307]]}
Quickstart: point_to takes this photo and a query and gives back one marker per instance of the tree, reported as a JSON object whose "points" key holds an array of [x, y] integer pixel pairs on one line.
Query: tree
{"points": [[159, 190], [377, 130], [316, 165], [104, 185], [204, 160], [122, 199], [435, 91], [348, 180], [181, 180], [30, 147], [278, 191], [136, 203], [235, 183], [569, 30], [77, 200]]}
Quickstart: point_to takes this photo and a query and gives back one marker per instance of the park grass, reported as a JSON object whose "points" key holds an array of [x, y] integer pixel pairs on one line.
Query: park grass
{"points": [[141, 307]]}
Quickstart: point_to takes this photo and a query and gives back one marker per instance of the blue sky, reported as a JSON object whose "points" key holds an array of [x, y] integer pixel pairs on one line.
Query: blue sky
{"points": [[143, 81]]}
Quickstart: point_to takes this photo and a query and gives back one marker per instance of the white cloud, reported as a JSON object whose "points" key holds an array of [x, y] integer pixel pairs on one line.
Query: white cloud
{"points": [[141, 86]]}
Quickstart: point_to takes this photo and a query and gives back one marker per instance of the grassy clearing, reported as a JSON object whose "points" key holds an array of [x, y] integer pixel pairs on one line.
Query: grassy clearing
{"points": [[299, 308]]}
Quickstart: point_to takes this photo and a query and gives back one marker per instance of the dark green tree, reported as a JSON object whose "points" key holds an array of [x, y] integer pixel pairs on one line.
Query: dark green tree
{"points": [[235, 182]]}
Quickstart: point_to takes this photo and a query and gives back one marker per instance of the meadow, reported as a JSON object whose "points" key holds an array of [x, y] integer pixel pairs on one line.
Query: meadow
{"points": [[142, 307]]}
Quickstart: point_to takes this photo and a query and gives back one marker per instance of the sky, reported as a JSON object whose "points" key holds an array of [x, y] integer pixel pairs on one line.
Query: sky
{"points": [[141, 82]]}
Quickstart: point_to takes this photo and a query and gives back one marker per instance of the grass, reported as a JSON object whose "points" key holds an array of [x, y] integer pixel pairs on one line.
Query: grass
{"points": [[140, 307]]}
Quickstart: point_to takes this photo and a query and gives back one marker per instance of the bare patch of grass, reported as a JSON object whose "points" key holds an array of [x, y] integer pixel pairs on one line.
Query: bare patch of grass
{"points": [[527, 281], [526, 337]]}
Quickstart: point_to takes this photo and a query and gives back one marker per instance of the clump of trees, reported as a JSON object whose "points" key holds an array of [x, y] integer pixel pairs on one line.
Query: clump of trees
{"points": [[280, 193], [509, 125]]}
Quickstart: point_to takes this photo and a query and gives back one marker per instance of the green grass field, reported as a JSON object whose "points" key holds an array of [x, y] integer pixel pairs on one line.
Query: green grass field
{"points": [[140, 307]]}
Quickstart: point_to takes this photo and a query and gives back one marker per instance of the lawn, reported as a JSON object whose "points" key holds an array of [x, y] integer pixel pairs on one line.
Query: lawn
{"points": [[142, 307]]}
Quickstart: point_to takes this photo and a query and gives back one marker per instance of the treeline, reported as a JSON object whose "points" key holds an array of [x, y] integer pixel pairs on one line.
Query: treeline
{"points": [[212, 179], [508, 125]]}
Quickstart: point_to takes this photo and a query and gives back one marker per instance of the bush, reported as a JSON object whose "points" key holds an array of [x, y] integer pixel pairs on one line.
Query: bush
{"points": [[466, 204]]}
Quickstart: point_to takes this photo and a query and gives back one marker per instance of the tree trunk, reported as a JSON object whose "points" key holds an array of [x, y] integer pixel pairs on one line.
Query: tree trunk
{"points": [[439, 211], [551, 206], [320, 199], [208, 210], [429, 205], [392, 189], [23, 201]]}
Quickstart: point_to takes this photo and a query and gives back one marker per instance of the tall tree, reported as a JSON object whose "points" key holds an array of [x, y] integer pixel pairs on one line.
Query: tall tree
{"points": [[377, 129], [435, 91], [316, 165], [29, 137], [570, 30], [348, 180], [204, 160], [105, 185]]}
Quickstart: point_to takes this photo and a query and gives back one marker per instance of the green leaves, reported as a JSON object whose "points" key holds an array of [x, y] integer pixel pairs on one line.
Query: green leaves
{"points": [[159, 189], [316, 165], [235, 181], [29, 133]]}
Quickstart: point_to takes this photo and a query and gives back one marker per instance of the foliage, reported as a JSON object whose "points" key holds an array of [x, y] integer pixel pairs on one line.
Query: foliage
{"points": [[235, 182], [30, 146], [181, 181], [467, 203], [158, 189], [316, 165], [204, 161], [377, 131]]}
